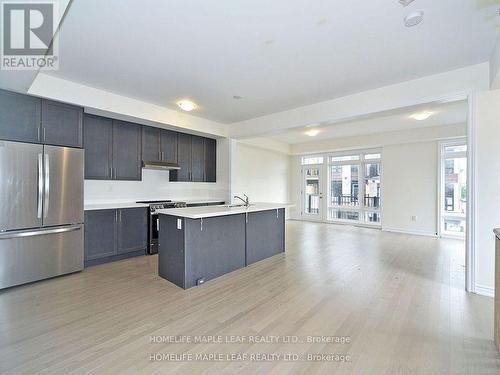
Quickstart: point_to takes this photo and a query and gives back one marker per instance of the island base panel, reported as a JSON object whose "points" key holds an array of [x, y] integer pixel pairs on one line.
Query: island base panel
{"points": [[214, 247], [265, 235]]}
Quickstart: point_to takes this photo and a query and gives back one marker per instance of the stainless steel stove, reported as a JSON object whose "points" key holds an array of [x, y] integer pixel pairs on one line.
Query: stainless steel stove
{"points": [[154, 221]]}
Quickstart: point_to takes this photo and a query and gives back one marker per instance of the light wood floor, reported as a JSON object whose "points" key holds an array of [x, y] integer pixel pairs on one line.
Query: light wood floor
{"points": [[399, 298]]}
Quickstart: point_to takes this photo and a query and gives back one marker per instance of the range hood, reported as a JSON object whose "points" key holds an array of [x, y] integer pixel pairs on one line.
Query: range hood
{"points": [[160, 165]]}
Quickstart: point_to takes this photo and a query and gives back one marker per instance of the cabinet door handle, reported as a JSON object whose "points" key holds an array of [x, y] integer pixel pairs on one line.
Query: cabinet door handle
{"points": [[44, 138], [159, 155], [120, 216]]}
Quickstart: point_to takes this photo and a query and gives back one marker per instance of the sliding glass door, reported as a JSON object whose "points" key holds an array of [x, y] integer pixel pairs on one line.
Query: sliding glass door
{"points": [[344, 203], [355, 188], [352, 184]]}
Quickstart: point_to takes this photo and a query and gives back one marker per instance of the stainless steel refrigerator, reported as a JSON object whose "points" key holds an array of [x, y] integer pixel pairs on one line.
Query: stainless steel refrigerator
{"points": [[41, 212]]}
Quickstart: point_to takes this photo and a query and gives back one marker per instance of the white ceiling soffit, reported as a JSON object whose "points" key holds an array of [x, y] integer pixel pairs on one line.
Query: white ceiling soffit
{"points": [[276, 55], [441, 114], [21, 80]]}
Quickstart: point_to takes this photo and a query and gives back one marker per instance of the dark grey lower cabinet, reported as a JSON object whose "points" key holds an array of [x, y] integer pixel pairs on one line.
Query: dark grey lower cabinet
{"points": [[114, 234], [132, 230], [100, 234], [265, 233], [200, 250]]}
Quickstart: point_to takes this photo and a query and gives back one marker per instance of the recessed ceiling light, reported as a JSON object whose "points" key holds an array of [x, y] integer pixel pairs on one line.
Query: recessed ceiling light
{"points": [[405, 2], [186, 105], [421, 116], [413, 19], [312, 132], [321, 21]]}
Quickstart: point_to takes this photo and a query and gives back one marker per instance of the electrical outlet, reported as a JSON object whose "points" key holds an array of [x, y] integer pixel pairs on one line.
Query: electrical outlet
{"points": [[414, 218]]}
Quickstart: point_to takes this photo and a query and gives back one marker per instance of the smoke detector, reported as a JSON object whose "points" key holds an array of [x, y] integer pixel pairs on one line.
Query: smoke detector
{"points": [[405, 3], [413, 19]]}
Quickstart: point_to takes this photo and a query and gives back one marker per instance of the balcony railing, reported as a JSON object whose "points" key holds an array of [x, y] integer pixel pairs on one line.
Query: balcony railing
{"points": [[353, 201]]}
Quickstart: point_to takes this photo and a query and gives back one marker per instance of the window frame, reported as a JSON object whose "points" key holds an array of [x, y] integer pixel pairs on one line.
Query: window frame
{"points": [[361, 162], [443, 155]]}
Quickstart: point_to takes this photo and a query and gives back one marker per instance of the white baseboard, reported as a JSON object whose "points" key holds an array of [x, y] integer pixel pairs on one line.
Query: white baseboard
{"points": [[407, 231], [485, 290]]}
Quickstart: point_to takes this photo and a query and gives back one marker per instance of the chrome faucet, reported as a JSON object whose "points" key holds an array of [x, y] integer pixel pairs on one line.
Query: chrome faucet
{"points": [[246, 200]]}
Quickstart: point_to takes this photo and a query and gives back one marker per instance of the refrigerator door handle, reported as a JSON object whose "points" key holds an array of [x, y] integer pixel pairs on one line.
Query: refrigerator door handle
{"points": [[32, 233], [47, 186], [40, 187]]}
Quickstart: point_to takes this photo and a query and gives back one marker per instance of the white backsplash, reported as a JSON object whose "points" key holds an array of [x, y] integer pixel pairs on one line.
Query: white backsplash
{"points": [[154, 185]]}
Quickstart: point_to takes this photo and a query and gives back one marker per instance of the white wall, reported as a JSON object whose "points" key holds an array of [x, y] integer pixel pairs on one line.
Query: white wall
{"points": [[409, 187], [260, 173], [156, 185], [487, 188]]}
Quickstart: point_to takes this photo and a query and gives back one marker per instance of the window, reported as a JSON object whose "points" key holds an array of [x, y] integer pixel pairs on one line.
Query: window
{"points": [[344, 158], [311, 160], [354, 191], [453, 197]]}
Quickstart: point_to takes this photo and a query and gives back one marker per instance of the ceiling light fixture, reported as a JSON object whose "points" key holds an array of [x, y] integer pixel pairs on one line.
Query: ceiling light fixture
{"points": [[405, 3], [186, 105], [312, 132], [421, 116], [413, 19]]}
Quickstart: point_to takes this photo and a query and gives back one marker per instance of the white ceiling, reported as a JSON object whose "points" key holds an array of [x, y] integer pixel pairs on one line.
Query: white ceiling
{"points": [[277, 54], [443, 114]]}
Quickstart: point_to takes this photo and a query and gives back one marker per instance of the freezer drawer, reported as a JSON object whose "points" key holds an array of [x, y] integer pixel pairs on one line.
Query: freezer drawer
{"points": [[32, 255]]}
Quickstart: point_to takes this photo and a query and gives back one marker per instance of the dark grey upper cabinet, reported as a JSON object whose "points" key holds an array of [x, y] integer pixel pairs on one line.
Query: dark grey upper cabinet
{"points": [[197, 159], [126, 151], [20, 117], [183, 159], [210, 160], [98, 141], [132, 230], [151, 144], [100, 234], [159, 144], [168, 146], [61, 124]]}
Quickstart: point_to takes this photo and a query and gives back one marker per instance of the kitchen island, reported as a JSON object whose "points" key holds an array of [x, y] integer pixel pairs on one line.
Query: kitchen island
{"points": [[198, 244]]}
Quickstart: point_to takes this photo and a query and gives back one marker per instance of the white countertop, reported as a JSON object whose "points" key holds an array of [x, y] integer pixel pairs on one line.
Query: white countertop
{"points": [[112, 205], [213, 211], [103, 205]]}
